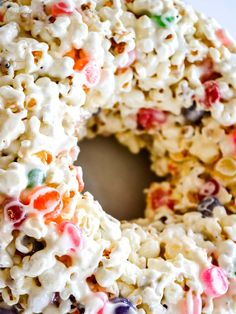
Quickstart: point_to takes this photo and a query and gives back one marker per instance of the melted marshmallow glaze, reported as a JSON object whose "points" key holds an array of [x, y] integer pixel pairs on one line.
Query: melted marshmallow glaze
{"points": [[157, 75]]}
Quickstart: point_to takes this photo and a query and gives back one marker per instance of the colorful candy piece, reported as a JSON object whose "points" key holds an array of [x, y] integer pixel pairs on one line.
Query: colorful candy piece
{"points": [[14, 212], [83, 62], [160, 197], [233, 139], [220, 33], [61, 8], [73, 231], [35, 177], [149, 118], [163, 21], [215, 281], [192, 304], [100, 311], [211, 187], [104, 299], [1, 16], [122, 306], [26, 195], [212, 93], [92, 73], [192, 115], [44, 199], [207, 205]]}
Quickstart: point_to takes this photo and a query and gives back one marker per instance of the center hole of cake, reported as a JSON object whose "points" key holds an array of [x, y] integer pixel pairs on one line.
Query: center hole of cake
{"points": [[115, 177]]}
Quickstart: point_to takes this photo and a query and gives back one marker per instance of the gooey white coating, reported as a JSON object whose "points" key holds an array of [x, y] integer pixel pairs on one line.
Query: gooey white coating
{"points": [[44, 107]]}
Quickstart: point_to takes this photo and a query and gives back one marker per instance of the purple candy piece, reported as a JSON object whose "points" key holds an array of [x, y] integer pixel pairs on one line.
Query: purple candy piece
{"points": [[193, 115], [124, 306], [206, 206]]}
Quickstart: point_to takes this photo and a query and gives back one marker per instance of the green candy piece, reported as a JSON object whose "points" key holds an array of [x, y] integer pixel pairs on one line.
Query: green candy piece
{"points": [[35, 177], [162, 21]]}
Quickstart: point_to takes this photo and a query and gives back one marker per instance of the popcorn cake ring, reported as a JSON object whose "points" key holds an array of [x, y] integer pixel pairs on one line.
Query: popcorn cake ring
{"points": [[157, 75]]}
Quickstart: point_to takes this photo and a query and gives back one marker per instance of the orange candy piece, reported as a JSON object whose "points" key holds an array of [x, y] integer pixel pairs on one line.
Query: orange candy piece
{"points": [[26, 195], [43, 198], [48, 200]]}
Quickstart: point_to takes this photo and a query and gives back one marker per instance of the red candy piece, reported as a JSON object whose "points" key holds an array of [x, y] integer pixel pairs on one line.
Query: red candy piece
{"points": [[233, 134], [212, 93], [14, 211], [160, 197], [215, 281], [211, 187], [73, 231], [1, 17], [92, 73], [220, 33], [61, 8], [149, 118]]}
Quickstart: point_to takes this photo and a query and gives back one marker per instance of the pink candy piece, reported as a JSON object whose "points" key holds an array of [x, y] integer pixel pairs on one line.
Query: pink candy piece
{"points": [[92, 73], [192, 304], [215, 281], [74, 233], [220, 33], [61, 8], [104, 300], [149, 118], [100, 311]]}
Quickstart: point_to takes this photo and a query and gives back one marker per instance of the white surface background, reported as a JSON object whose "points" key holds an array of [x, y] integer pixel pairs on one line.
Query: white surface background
{"points": [[224, 11], [114, 176]]}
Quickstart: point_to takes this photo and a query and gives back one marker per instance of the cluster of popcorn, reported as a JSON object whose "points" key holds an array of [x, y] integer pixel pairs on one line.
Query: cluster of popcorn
{"points": [[157, 75]]}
